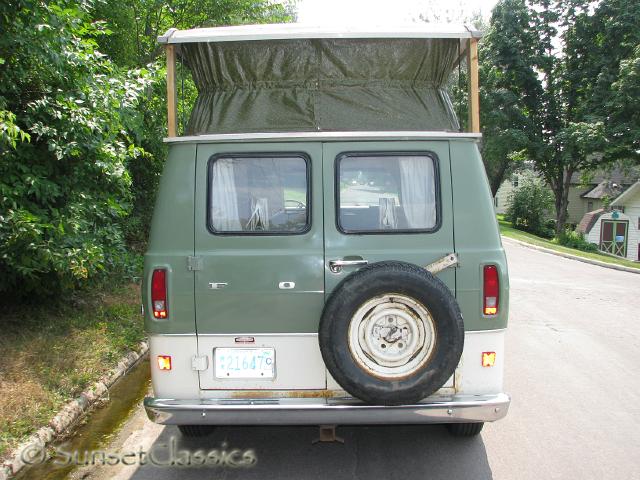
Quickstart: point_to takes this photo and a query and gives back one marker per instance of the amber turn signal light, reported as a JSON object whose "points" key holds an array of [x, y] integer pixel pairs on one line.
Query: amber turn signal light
{"points": [[164, 362], [488, 359]]}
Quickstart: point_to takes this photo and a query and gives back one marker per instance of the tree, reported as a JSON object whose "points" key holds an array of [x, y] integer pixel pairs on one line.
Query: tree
{"points": [[578, 85], [509, 90], [133, 43], [561, 61], [625, 114], [528, 207], [600, 75], [66, 110], [10, 133], [137, 24], [72, 124]]}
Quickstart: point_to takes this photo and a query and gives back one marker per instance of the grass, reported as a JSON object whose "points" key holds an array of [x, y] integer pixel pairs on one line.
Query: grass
{"points": [[50, 354], [509, 231]]}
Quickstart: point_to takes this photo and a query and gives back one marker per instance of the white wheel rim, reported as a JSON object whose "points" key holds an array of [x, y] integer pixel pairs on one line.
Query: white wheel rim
{"points": [[391, 336]]}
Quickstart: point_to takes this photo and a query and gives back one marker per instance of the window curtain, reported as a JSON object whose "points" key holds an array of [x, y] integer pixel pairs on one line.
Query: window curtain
{"points": [[387, 218], [260, 191], [417, 186], [224, 198]]}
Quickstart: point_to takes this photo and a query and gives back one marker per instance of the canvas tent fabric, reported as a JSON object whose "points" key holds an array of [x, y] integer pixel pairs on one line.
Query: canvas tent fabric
{"points": [[301, 85]]}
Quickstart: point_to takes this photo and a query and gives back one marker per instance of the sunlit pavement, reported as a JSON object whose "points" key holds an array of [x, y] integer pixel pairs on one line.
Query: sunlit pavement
{"points": [[572, 362]]}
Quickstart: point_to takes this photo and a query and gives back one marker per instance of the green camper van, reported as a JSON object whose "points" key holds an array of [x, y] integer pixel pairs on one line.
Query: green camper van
{"points": [[324, 248]]}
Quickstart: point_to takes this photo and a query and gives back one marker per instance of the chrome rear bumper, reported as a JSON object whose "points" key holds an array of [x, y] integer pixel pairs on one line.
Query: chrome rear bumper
{"points": [[296, 411]]}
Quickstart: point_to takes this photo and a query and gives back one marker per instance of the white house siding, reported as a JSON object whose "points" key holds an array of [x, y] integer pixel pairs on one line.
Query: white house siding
{"points": [[578, 206], [501, 200], [632, 206], [633, 236], [632, 210]]}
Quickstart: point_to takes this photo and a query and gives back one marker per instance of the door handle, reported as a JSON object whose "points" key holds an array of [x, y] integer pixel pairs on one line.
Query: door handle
{"points": [[336, 265]]}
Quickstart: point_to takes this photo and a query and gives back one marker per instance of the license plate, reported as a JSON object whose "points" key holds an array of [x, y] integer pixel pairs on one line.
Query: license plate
{"points": [[244, 362]]}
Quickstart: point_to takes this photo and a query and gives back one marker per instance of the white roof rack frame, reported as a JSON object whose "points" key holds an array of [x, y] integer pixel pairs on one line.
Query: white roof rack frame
{"points": [[290, 31]]}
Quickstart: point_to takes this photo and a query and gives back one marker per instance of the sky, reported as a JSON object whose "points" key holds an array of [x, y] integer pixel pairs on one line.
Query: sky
{"points": [[389, 12]]}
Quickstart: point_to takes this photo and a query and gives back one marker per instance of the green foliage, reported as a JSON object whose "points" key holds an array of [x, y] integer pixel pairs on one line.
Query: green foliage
{"points": [[625, 114], [506, 114], [528, 207], [136, 25], [561, 84], [600, 74], [572, 239], [82, 118], [10, 133], [64, 194]]}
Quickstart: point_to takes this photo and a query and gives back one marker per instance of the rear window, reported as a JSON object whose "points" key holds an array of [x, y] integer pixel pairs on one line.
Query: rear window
{"points": [[387, 193], [258, 194]]}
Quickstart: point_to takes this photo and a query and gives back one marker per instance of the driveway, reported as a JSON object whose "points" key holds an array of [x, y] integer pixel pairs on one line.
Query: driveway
{"points": [[572, 370]]}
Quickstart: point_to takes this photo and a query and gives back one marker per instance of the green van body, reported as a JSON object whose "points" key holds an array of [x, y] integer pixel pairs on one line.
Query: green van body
{"points": [[252, 266], [332, 102], [179, 231]]}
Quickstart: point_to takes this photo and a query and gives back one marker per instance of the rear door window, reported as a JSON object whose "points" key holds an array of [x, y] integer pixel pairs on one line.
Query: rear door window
{"points": [[387, 193], [258, 195]]}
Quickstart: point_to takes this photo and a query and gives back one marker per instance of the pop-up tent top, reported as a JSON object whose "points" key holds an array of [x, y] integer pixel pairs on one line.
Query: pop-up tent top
{"points": [[294, 78]]}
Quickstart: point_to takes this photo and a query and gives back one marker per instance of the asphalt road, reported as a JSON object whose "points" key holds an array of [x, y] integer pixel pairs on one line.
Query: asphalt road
{"points": [[572, 370]]}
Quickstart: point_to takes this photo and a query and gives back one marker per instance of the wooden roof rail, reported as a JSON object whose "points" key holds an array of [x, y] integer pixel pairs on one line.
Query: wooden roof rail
{"points": [[172, 103], [474, 86]]}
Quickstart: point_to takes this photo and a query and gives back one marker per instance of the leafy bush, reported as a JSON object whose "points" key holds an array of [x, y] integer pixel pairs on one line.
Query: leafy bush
{"points": [[81, 132], [550, 225], [65, 191], [528, 207], [136, 25], [575, 240]]}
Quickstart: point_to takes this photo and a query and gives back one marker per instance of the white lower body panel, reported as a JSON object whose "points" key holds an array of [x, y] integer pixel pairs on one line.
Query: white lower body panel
{"points": [[298, 363], [300, 370], [471, 377]]}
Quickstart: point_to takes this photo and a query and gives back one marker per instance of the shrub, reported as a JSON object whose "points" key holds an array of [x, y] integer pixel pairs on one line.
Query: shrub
{"points": [[64, 186], [528, 207], [575, 240]]}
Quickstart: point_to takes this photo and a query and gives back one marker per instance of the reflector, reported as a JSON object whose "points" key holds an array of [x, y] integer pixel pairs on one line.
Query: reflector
{"points": [[488, 359], [164, 362]]}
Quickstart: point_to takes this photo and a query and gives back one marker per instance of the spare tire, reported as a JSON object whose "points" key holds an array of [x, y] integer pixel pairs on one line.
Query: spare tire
{"points": [[391, 333]]}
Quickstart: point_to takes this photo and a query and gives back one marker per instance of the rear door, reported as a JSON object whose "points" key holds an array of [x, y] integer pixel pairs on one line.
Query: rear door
{"points": [[386, 201], [259, 264]]}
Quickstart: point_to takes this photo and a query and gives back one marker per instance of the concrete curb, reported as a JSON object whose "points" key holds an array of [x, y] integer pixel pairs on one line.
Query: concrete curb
{"points": [[613, 266], [35, 446]]}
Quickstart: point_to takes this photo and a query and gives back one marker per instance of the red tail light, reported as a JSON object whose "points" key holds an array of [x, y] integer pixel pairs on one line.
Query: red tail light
{"points": [[159, 293], [491, 291]]}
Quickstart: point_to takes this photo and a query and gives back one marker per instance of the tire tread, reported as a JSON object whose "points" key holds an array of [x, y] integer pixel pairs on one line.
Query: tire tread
{"points": [[348, 295], [465, 429], [196, 430]]}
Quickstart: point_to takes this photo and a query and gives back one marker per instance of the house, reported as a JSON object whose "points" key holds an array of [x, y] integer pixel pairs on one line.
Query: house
{"points": [[594, 194], [616, 230], [584, 195], [508, 186]]}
